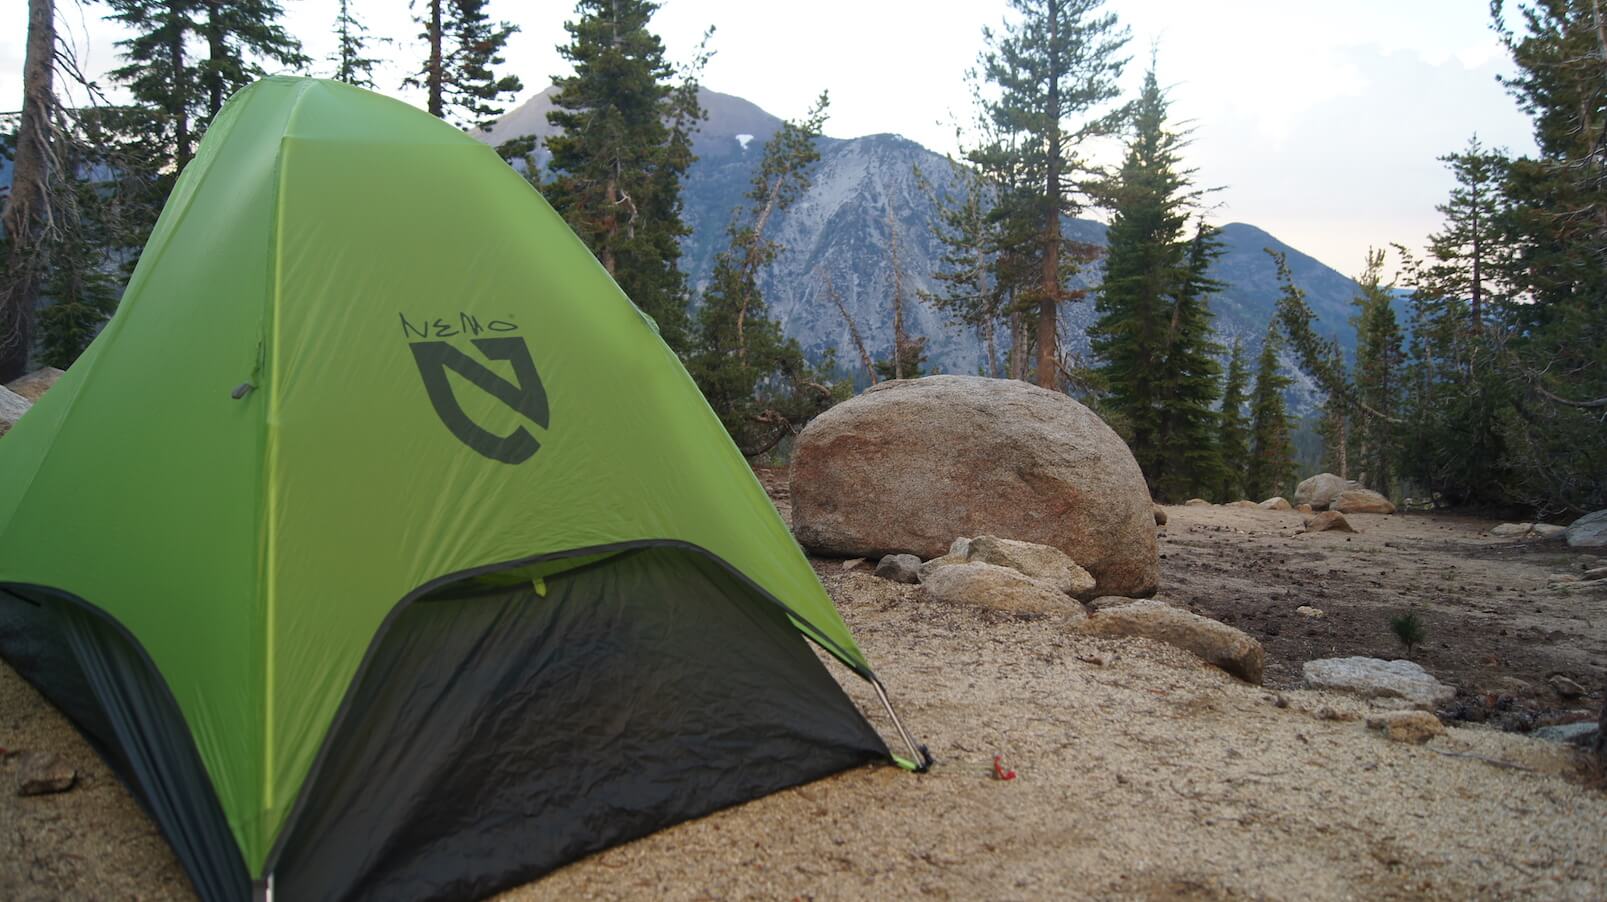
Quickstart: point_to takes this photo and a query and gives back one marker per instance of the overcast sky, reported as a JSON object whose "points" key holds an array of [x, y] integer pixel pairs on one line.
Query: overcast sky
{"points": [[1320, 121]]}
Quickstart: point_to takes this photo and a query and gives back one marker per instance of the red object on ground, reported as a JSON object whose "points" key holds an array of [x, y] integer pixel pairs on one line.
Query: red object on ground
{"points": [[999, 773]]}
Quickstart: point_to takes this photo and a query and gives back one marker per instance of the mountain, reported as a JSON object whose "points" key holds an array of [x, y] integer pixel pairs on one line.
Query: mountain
{"points": [[839, 228]]}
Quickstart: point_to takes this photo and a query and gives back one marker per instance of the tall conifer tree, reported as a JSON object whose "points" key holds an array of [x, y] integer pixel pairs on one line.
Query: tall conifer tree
{"points": [[1055, 65], [1271, 466], [352, 64], [1233, 430], [1153, 337], [622, 152], [463, 45]]}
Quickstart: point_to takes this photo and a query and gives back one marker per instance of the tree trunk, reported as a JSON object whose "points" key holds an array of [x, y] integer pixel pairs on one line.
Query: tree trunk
{"points": [[898, 296], [1049, 303], [216, 51], [436, 76], [1018, 346], [853, 330], [27, 208], [179, 103]]}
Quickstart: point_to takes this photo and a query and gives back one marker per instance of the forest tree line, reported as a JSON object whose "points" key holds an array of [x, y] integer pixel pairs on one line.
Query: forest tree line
{"points": [[1492, 391]]}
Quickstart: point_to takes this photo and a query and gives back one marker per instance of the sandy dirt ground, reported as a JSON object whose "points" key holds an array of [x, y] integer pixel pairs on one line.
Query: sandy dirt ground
{"points": [[1141, 772]]}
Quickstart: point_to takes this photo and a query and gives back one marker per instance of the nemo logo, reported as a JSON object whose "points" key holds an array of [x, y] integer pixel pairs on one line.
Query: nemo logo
{"points": [[524, 395]]}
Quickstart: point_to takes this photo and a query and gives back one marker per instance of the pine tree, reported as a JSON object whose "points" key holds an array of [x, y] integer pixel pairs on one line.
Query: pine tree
{"points": [[623, 150], [35, 173], [1271, 467], [1233, 432], [187, 56], [1152, 337], [1553, 353], [1377, 375], [1187, 390], [457, 76], [1054, 68], [352, 65], [1469, 252], [969, 244], [758, 381]]}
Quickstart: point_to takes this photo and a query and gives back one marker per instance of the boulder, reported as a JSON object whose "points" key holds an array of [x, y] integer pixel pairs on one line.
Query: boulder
{"points": [[1415, 727], [1362, 501], [1377, 678], [1328, 520], [1589, 531], [1511, 530], [1196, 502], [1160, 515], [1320, 491], [36, 383], [1307, 610], [1041, 562], [1242, 502], [1215, 643], [999, 588], [43, 773], [909, 463], [1548, 530], [900, 568], [931, 566], [1276, 503], [12, 407]]}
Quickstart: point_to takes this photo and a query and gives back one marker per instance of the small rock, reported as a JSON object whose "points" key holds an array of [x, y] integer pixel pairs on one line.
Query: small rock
{"points": [[931, 566], [1307, 610], [1594, 573], [1303, 508], [1160, 515], [1565, 687], [1328, 521], [1216, 643], [1362, 501], [960, 546], [1589, 531], [853, 563], [43, 773], [1549, 530], [1511, 530], [999, 588], [1327, 713], [1416, 727], [1196, 502], [900, 568], [1375, 678], [1275, 503], [1041, 562], [1580, 734], [1243, 502]]}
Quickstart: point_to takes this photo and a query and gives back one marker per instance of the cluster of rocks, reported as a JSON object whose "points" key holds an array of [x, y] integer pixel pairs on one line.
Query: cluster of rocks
{"points": [[17, 396], [1589, 531], [1029, 578], [1327, 492]]}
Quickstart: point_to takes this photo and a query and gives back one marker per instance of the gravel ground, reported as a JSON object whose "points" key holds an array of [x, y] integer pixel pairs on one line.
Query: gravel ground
{"points": [[1141, 773]]}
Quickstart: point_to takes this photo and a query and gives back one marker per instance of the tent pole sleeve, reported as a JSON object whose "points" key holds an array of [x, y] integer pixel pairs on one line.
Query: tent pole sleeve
{"points": [[921, 758]]}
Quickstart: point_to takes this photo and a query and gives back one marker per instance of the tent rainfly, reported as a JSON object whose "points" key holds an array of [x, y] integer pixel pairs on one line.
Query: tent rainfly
{"points": [[384, 549]]}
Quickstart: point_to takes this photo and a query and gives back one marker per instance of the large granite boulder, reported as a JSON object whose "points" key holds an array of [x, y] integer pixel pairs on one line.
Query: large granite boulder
{"points": [[1361, 501], [12, 407], [1320, 491], [910, 464], [1589, 531], [36, 383]]}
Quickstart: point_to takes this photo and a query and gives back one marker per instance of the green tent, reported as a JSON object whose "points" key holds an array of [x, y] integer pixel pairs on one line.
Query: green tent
{"points": [[384, 548]]}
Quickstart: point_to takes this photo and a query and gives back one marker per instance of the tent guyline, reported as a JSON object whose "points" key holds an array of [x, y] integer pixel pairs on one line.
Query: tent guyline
{"points": [[387, 368]]}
